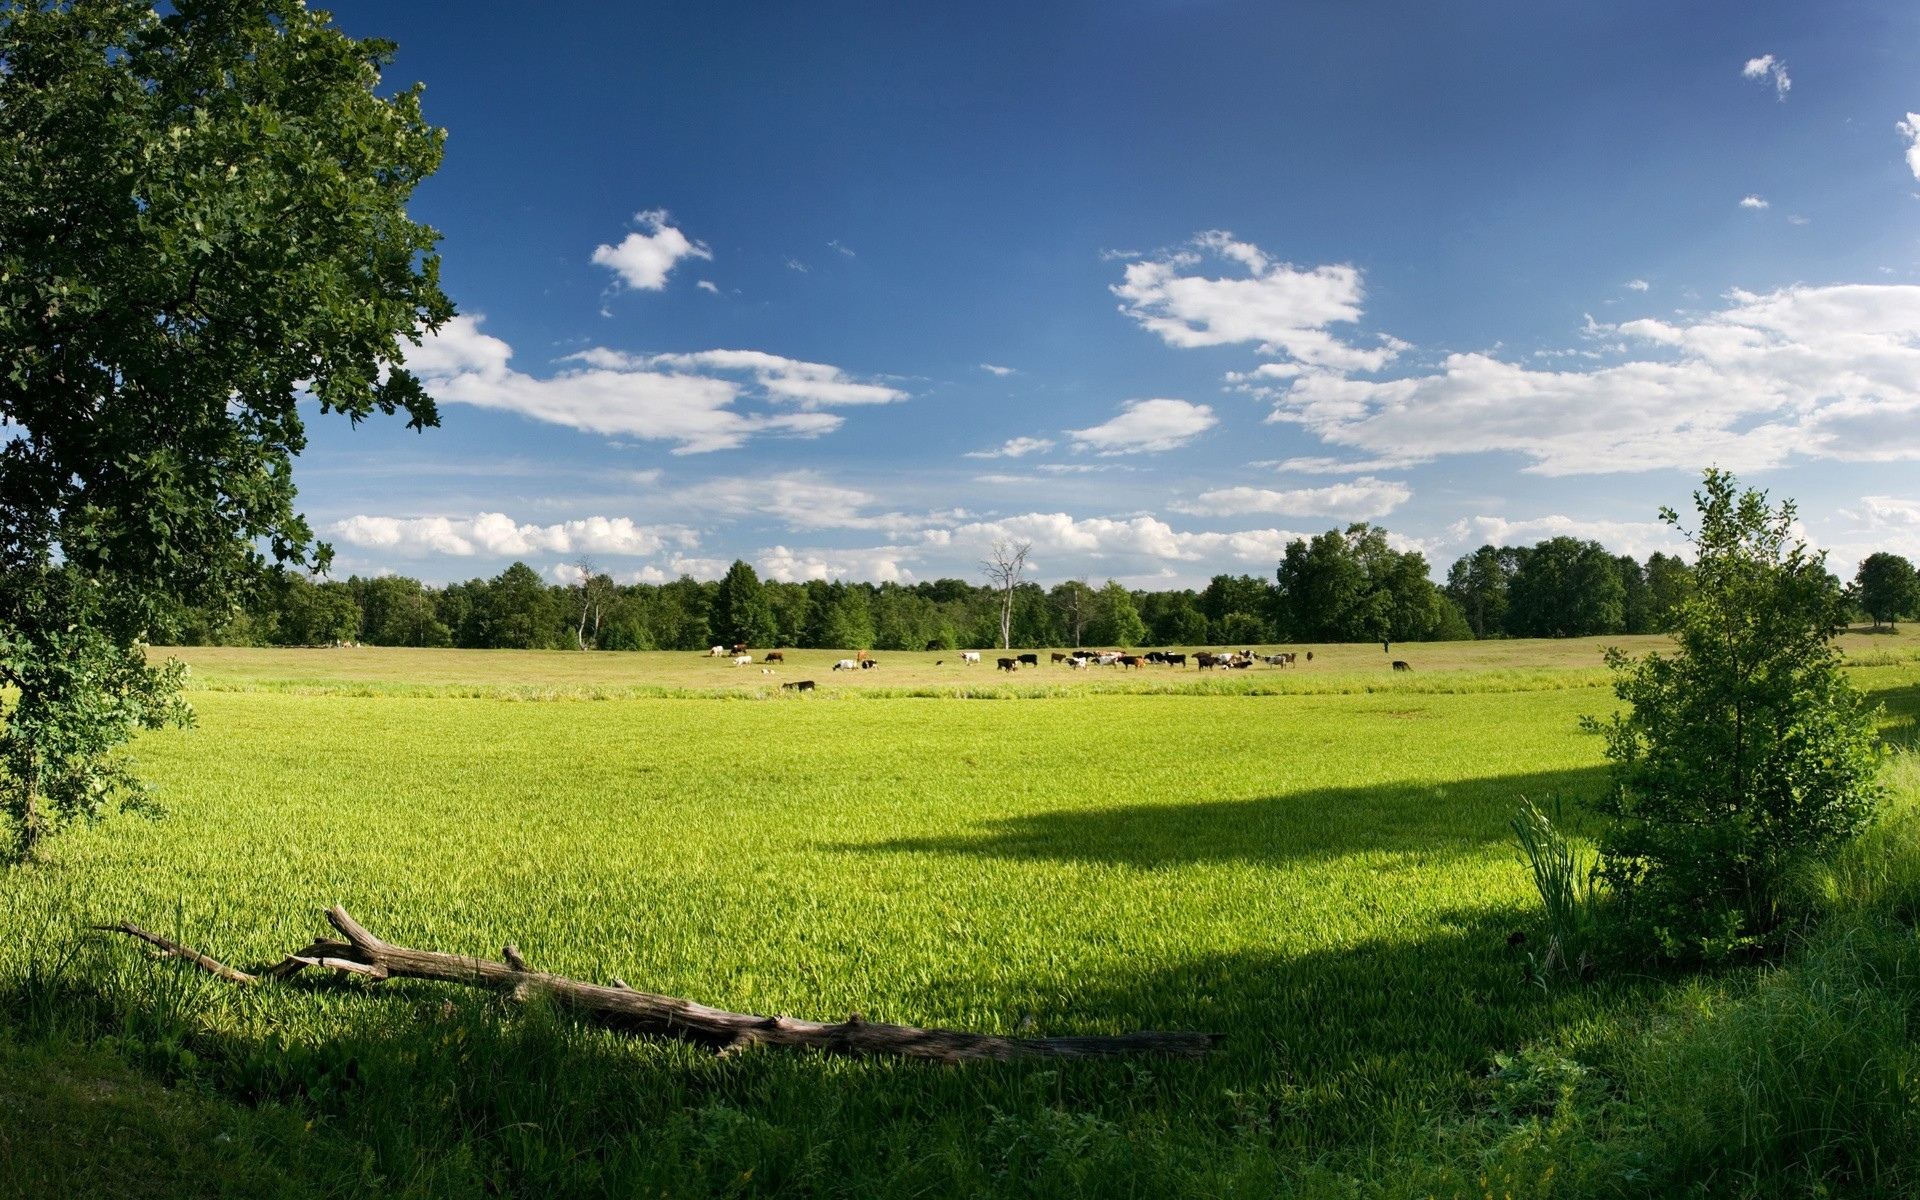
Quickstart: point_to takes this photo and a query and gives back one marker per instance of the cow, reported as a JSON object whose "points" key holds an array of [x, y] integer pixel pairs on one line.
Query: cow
{"points": [[1107, 658], [969, 656], [868, 664], [798, 685], [1309, 656], [741, 660], [1174, 660], [716, 652], [1078, 661], [1155, 656], [1206, 661], [1008, 664], [1059, 657], [1401, 665], [1029, 660], [1132, 660], [846, 664], [1240, 664], [774, 656], [739, 647]]}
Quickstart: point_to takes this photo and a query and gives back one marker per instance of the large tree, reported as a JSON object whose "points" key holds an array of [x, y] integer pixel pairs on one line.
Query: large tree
{"points": [[1566, 587], [202, 220], [1886, 587]]}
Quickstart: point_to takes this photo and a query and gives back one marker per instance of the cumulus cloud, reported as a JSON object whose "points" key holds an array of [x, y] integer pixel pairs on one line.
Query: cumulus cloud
{"points": [[1285, 310], [1910, 130], [1147, 425], [1638, 285], [1060, 541], [1014, 448], [1769, 68], [1753, 202], [498, 535], [991, 369], [798, 499], [691, 399], [643, 260], [881, 564], [1638, 538], [1829, 372], [1281, 308], [1358, 500]]}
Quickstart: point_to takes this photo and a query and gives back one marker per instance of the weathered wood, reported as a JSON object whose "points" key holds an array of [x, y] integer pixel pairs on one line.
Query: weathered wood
{"points": [[171, 949], [668, 1016]]}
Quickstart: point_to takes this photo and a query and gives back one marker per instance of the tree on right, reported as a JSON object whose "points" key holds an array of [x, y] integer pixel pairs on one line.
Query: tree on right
{"points": [[1745, 753]]}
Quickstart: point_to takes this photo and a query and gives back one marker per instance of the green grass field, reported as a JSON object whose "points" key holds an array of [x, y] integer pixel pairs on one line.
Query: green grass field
{"points": [[1320, 871]]}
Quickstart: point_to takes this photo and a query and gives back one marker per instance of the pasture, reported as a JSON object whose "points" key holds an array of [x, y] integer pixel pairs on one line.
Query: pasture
{"points": [[1320, 872]]}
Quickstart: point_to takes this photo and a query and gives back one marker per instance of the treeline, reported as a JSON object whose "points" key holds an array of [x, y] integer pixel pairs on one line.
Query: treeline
{"points": [[1342, 586]]}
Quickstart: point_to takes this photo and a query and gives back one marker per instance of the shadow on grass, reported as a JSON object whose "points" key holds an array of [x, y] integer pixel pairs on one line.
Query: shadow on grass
{"points": [[1320, 823]]}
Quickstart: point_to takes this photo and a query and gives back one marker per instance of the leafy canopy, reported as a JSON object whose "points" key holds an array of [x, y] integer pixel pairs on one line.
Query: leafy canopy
{"points": [[1745, 752], [202, 218]]}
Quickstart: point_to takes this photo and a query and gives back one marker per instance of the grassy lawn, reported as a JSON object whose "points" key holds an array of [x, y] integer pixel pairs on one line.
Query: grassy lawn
{"points": [[1327, 879]]}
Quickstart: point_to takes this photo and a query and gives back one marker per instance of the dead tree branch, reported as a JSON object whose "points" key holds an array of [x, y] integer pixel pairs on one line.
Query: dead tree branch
{"points": [[667, 1016]]}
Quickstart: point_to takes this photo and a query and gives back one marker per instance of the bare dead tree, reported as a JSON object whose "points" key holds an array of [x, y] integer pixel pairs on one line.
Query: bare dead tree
{"points": [[590, 592], [1003, 564]]}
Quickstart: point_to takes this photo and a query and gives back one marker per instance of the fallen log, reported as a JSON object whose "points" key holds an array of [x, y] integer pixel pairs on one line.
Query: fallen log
{"points": [[365, 955]]}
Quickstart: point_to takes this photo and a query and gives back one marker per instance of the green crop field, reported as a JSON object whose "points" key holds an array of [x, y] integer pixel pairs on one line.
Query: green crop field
{"points": [[1321, 872]]}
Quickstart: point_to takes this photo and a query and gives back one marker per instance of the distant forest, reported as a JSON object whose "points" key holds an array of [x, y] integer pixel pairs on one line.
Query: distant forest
{"points": [[1342, 586]]}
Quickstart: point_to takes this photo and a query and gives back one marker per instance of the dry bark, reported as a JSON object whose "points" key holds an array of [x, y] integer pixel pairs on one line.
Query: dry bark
{"points": [[666, 1016]]}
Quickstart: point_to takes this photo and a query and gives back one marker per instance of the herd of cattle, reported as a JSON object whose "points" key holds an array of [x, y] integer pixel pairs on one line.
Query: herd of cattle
{"points": [[1237, 660]]}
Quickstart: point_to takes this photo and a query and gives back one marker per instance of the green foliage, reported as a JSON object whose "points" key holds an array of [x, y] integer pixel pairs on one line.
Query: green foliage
{"points": [[202, 217], [741, 614], [1566, 587], [80, 695], [1746, 753], [1886, 587], [1117, 622], [1353, 587]]}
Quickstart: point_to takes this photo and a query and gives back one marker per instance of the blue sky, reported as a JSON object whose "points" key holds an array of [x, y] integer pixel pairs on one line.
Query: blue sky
{"points": [[852, 290]]}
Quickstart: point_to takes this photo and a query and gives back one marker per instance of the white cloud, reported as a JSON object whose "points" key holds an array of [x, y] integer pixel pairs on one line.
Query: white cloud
{"points": [[708, 285], [1638, 285], [1910, 129], [643, 260], [1770, 68], [686, 398], [1358, 500], [1147, 425], [1061, 542], [882, 564], [498, 535], [836, 245], [1014, 448], [794, 264], [1334, 466], [991, 369], [1885, 512], [1829, 372], [1638, 538], [799, 499], [1286, 310], [1753, 202]]}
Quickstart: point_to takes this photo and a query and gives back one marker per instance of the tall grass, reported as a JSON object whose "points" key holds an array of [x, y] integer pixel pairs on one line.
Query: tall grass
{"points": [[1563, 875]]}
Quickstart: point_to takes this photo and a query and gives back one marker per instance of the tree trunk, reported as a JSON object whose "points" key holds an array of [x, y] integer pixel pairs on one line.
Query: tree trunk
{"points": [[666, 1016]]}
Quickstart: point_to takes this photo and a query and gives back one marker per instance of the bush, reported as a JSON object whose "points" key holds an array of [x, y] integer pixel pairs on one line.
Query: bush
{"points": [[1746, 755]]}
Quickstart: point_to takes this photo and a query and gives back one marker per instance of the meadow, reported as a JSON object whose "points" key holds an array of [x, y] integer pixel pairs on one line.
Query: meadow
{"points": [[1314, 863]]}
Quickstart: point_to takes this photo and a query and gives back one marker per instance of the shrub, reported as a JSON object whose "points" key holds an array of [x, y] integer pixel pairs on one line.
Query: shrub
{"points": [[1746, 755]]}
